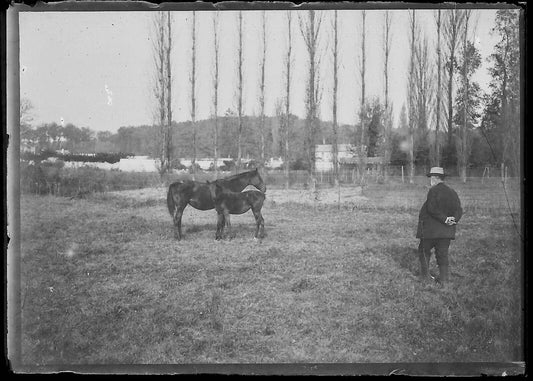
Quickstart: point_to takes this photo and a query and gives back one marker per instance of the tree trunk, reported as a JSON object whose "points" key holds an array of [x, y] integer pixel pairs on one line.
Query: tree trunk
{"points": [[240, 94], [193, 94], [453, 24], [411, 94], [388, 122], [262, 91], [335, 92], [215, 96], [310, 33], [463, 146], [463, 151], [436, 151], [162, 90], [288, 100], [169, 96], [362, 114]]}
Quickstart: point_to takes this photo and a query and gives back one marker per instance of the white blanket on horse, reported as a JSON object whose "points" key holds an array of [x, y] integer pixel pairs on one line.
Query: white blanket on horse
{"points": [[250, 187]]}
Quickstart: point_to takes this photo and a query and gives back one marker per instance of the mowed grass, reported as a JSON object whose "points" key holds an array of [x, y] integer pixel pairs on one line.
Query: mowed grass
{"points": [[104, 282]]}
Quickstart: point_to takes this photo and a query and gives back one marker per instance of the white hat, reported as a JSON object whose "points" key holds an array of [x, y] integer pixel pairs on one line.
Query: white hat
{"points": [[436, 171]]}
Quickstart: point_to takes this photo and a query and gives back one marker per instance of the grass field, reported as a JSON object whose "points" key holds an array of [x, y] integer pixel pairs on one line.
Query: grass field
{"points": [[104, 282]]}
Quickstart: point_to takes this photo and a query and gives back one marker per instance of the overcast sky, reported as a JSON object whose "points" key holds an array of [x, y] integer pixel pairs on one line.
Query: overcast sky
{"points": [[94, 69]]}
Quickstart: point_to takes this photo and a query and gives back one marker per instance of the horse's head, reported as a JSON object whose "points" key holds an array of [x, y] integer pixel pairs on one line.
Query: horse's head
{"points": [[257, 181]]}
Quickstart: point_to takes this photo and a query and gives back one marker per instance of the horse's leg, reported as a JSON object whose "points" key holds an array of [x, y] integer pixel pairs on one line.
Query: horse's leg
{"points": [[178, 213], [228, 225], [220, 226], [260, 223]]}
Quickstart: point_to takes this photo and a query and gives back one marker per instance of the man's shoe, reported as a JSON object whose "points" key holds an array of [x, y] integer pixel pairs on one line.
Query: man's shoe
{"points": [[443, 274]]}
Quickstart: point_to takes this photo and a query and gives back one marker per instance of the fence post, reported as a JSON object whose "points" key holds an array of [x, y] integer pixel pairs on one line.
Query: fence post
{"points": [[339, 195], [506, 174], [402, 175]]}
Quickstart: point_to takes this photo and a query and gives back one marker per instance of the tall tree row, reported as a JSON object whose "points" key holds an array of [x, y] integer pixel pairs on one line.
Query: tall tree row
{"points": [[443, 101]]}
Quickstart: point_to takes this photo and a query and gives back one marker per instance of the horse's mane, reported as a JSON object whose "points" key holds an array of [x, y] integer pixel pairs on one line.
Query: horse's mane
{"points": [[238, 175]]}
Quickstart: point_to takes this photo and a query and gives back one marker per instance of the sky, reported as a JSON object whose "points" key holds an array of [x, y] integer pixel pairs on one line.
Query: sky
{"points": [[95, 69]]}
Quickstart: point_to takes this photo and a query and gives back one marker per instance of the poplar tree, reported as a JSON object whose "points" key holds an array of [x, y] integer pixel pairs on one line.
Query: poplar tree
{"points": [[310, 29]]}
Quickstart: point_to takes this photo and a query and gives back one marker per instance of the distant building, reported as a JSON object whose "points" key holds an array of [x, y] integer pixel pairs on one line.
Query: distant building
{"points": [[206, 163], [138, 164], [274, 163], [346, 156]]}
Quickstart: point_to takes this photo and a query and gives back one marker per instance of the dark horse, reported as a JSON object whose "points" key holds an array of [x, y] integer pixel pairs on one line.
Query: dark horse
{"points": [[228, 202], [198, 195]]}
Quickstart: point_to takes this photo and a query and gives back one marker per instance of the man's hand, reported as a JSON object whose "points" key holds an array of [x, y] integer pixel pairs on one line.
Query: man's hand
{"points": [[450, 221]]}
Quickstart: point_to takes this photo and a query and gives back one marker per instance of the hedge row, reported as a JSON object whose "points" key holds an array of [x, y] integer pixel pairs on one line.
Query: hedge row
{"points": [[54, 178], [98, 157]]}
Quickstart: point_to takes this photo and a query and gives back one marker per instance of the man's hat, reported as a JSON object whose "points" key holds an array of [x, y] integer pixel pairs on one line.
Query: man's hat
{"points": [[436, 171]]}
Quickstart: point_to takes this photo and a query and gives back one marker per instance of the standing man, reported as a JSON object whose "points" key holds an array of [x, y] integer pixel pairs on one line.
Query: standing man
{"points": [[436, 224]]}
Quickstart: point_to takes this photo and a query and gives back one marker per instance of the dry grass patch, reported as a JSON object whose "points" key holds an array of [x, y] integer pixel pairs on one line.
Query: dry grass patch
{"points": [[103, 281]]}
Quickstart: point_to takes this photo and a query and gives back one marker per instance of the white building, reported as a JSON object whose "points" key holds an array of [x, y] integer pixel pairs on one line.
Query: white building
{"points": [[205, 163], [274, 163], [324, 155], [346, 156], [138, 164]]}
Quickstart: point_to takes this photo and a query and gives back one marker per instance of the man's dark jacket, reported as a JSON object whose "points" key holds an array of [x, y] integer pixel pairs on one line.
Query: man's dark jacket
{"points": [[442, 202]]}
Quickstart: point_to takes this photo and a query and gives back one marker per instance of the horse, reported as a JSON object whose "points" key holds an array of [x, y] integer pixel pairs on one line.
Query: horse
{"points": [[197, 194], [228, 202]]}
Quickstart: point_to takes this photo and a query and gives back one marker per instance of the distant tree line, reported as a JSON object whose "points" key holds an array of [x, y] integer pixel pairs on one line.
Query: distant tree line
{"points": [[110, 147]]}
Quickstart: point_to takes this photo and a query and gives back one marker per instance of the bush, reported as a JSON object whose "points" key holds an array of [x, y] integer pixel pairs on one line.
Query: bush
{"points": [[176, 164], [252, 164], [299, 165], [229, 165], [32, 179], [53, 178]]}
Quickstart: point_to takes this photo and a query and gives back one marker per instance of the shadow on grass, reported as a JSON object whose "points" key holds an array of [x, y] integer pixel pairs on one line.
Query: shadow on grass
{"points": [[237, 230], [201, 227], [406, 257], [124, 202], [301, 285]]}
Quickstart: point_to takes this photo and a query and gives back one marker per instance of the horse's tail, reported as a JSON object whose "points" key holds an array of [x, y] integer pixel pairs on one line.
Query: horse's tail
{"points": [[171, 202]]}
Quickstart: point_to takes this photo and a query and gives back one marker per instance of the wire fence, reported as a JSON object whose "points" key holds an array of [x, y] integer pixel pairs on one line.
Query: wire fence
{"points": [[395, 174], [53, 178]]}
